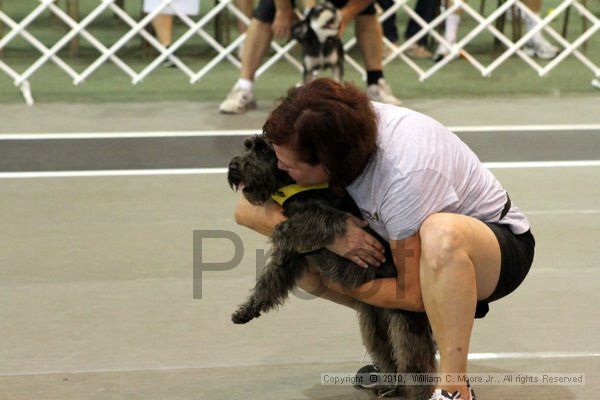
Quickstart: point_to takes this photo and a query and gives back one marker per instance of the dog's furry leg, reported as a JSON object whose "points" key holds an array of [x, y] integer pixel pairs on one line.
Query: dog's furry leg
{"points": [[272, 287], [305, 75], [337, 74], [309, 69], [338, 69], [413, 348], [373, 330]]}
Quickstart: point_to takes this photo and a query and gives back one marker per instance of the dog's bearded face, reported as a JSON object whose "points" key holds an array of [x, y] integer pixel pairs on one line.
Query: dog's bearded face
{"points": [[256, 171]]}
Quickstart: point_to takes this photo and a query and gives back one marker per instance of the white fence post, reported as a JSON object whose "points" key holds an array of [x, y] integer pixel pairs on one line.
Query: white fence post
{"points": [[225, 52]]}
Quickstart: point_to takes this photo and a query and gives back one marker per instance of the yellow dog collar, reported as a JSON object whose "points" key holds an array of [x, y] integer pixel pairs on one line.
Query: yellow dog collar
{"points": [[284, 193]]}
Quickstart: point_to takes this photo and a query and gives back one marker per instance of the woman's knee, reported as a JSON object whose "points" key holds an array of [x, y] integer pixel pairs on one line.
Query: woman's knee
{"points": [[442, 240]]}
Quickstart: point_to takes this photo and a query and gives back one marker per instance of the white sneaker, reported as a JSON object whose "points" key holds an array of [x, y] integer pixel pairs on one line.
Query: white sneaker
{"points": [[442, 51], [238, 101], [539, 47], [382, 93], [441, 394]]}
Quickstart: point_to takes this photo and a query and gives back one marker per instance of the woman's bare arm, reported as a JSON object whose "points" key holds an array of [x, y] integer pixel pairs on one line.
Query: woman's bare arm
{"points": [[402, 292], [261, 219]]}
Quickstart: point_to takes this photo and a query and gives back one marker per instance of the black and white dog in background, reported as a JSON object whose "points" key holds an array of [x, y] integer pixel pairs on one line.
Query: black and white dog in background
{"points": [[321, 45]]}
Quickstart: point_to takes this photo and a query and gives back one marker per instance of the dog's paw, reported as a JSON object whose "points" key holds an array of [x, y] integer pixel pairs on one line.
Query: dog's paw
{"points": [[244, 314]]}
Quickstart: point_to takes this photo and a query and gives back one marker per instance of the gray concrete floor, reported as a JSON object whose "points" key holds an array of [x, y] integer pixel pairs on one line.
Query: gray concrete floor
{"points": [[96, 296], [57, 117]]}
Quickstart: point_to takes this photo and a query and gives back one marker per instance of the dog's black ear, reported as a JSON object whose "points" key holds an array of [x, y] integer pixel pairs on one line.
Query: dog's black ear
{"points": [[248, 143], [312, 12], [300, 29], [260, 142]]}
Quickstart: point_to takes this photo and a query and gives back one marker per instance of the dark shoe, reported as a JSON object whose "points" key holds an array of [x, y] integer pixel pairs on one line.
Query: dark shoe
{"points": [[167, 63], [372, 381], [370, 373]]}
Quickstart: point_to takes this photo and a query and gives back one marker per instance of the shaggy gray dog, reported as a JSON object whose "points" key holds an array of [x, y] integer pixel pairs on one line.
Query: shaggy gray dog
{"points": [[398, 341]]}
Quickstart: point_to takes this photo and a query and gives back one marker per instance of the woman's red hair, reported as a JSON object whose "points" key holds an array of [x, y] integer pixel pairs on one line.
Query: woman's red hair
{"points": [[329, 123]]}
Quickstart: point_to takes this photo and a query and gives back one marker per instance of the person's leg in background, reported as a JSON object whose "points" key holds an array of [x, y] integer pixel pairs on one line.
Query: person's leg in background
{"points": [[369, 36], [259, 34], [163, 22], [241, 97], [451, 26], [245, 7], [426, 10], [538, 46], [390, 30], [163, 26], [257, 41]]}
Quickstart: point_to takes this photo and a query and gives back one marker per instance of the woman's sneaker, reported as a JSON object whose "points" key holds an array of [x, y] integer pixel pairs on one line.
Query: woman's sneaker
{"points": [[441, 394], [238, 101]]}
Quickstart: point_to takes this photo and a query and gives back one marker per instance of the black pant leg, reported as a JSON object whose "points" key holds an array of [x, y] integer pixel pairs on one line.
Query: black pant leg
{"points": [[426, 10], [390, 30]]}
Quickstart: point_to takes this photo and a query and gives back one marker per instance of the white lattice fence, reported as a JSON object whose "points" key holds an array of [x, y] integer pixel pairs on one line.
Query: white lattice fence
{"points": [[198, 28]]}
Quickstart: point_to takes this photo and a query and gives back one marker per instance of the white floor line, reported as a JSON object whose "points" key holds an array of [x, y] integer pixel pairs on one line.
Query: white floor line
{"points": [[472, 356], [561, 212], [123, 172], [200, 171], [247, 132], [126, 135], [542, 164], [525, 128], [531, 355]]}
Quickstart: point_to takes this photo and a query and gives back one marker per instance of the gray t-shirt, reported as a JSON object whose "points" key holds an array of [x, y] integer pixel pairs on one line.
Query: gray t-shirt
{"points": [[421, 168]]}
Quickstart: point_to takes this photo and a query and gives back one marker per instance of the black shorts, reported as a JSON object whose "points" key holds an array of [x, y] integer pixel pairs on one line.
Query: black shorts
{"points": [[517, 255], [265, 10]]}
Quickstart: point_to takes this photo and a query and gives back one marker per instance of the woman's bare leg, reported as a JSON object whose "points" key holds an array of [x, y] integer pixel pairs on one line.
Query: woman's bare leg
{"points": [[459, 264]]}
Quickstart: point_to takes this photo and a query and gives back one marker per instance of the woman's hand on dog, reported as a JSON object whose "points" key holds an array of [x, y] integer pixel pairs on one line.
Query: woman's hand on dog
{"points": [[357, 245]]}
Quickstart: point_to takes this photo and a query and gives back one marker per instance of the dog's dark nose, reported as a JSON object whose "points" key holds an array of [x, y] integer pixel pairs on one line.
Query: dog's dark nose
{"points": [[233, 175], [234, 166]]}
